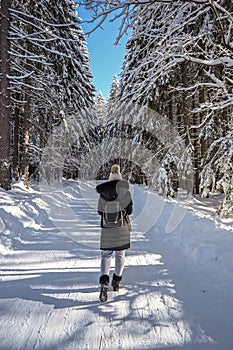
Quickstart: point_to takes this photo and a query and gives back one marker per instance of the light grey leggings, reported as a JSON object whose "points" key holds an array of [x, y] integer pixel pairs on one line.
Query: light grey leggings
{"points": [[106, 256]]}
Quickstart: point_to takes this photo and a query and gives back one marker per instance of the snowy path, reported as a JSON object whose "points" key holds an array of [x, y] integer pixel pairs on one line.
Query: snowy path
{"points": [[49, 279]]}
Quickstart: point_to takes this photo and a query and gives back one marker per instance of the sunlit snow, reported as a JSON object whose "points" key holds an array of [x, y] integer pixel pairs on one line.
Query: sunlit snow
{"points": [[177, 284]]}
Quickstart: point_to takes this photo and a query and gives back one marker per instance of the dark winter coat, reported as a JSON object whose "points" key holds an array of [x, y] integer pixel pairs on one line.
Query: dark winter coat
{"points": [[117, 238]]}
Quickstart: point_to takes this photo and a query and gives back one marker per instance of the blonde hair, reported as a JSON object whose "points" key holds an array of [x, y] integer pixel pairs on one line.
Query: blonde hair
{"points": [[115, 169], [115, 173]]}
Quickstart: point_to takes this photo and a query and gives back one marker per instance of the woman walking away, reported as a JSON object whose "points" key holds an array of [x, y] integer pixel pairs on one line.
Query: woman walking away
{"points": [[115, 205]]}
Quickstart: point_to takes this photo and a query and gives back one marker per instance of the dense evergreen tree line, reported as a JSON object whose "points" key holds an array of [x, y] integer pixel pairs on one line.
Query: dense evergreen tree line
{"points": [[168, 120], [45, 79], [178, 63]]}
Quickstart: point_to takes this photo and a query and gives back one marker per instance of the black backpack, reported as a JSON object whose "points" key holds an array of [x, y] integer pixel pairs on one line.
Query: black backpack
{"points": [[112, 215]]}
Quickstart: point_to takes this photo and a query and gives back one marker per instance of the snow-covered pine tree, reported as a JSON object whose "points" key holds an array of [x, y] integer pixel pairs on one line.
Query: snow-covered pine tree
{"points": [[148, 56], [217, 173], [171, 36], [105, 110], [112, 98], [73, 85], [100, 105], [58, 66]]}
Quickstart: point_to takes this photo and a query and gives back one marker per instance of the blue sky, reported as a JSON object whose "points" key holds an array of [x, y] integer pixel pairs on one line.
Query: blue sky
{"points": [[105, 59]]}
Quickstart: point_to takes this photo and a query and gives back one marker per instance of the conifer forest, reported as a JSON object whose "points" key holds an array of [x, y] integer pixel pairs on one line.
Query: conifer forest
{"points": [[168, 119]]}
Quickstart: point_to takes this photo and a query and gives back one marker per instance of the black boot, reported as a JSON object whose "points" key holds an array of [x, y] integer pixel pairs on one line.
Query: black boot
{"points": [[116, 282], [104, 280]]}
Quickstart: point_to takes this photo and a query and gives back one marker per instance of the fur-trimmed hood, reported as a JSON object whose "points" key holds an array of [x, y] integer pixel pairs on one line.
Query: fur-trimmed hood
{"points": [[112, 190]]}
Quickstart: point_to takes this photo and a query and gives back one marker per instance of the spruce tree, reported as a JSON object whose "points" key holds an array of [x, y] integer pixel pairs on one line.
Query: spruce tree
{"points": [[49, 75], [181, 68], [100, 105], [112, 99], [5, 166]]}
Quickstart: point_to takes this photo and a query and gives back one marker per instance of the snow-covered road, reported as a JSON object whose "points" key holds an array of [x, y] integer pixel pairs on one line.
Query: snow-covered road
{"points": [[176, 291]]}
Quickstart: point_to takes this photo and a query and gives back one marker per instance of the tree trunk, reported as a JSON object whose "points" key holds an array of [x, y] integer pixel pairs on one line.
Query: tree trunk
{"points": [[5, 102], [25, 154], [26, 115], [16, 170], [196, 147], [186, 122]]}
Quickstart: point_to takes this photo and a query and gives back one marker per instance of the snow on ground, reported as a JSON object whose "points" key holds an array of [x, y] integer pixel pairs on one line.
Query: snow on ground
{"points": [[177, 284]]}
